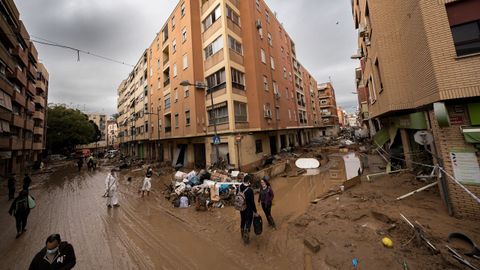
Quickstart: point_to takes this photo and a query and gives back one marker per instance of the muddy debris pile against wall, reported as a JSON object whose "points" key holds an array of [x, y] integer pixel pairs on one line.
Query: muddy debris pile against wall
{"points": [[349, 227]]}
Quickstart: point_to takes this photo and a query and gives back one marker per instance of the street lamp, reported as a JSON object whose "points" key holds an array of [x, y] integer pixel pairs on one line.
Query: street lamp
{"points": [[204, 86], [158, 126]]}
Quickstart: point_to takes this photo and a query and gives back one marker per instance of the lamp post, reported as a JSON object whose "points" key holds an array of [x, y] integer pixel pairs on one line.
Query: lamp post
{"points": [[204, 86]]}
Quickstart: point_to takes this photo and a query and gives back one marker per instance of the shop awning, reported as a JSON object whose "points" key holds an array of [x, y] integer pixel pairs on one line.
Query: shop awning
{"points": [[471, 134]]}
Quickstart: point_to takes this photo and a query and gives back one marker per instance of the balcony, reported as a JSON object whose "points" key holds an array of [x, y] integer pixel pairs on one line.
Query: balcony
{"points": [[207, 33], [32, 71], [29, 125], [168, 129], [214, 59], [30, 107], [18, 121], [41, 86], [6, 86], [39, 115], [6, 57], [37, 146], [5, 115], [19, 76], [16, 143], [236, 57], [31, 88], [39, 100], [236, 3], [166, 82], [4, 142], [38, 130], [19, 98], [234, 27], [23, 32], [27, 144], [206, 5], [21, 54], [9, 35], [33, 51]]}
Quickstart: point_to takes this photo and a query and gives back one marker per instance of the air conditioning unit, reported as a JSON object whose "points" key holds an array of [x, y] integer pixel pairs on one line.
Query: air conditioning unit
{"points": [[258, 24], [267, 113]]}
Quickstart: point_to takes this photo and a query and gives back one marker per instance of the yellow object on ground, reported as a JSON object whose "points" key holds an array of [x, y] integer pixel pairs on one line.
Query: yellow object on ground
{"points": [[387, 242]]}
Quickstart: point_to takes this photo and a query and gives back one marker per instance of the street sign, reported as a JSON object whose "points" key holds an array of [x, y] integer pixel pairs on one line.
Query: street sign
{"points": [[216, 139]]}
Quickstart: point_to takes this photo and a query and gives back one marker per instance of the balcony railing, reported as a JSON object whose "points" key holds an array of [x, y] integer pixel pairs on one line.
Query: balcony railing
{"points": [[168, 129]]}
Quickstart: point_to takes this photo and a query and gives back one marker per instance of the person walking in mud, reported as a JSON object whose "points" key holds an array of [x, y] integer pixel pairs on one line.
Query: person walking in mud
{"points": [[80, 164], [266, 199], [147, 182], [26, 182], [20, 209], [245, 203], [55, 255], [111, 186], [11, 186]]}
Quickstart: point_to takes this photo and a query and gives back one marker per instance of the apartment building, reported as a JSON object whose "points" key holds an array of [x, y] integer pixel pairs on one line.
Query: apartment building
{"points": [[23, 94], [112, 134], [328, 109], [363, 98], [133, 118], [420, 63], [238, 54]]}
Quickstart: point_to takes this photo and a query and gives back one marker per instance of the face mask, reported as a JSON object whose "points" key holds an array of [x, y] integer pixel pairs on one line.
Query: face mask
{"points": [[52, 251]]}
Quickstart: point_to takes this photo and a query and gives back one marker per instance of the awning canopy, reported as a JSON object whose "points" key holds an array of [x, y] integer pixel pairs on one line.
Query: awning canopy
{"points": [[471, 134]]}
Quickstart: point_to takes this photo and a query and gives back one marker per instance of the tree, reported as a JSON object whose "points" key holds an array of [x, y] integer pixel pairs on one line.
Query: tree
{"points": [[68, 128]]}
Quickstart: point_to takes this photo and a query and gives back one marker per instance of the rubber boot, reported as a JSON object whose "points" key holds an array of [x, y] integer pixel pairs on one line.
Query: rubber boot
{"points": [[271, 222], [246, 237]]}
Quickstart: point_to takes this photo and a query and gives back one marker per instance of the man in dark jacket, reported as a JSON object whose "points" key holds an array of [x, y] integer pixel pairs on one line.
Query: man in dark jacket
{"points": [[11, 186], [246, 216], [55, 255], [20, 209], [26, 182]]}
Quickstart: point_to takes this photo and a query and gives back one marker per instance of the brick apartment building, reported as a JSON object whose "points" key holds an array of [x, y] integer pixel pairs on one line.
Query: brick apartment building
{"points": [[420, 63], [328, 109], [264, 100], [23, 95]]}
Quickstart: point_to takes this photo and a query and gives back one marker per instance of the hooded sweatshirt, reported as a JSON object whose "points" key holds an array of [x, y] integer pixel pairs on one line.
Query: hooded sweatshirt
{"points": [[64, 260]]}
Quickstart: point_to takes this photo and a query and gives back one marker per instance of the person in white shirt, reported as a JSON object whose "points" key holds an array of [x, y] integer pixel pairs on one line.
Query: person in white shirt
{"points": [[111, 186]]}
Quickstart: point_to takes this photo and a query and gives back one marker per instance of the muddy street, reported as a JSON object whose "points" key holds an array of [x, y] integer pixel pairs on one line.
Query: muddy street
{"points": [[148, 233]]}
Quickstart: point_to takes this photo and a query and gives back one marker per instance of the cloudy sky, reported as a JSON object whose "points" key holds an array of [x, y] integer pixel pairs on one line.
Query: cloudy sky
{"points": [[121, 29]]}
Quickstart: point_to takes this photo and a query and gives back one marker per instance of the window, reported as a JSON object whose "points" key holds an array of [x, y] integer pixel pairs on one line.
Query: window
{"points": [[185, 61], [265, 83], [213, 47], [184, 34], [240, 109], [270, 42], [216, 81], [219, 113], [212, 17], [377, 71], [173, 22], [186, 91], [176, 120], [277, 113], [183, 9], [260, 32], [235, 45], [167, 103], [284, 73], [465, 26], [158, 63], [238, 79], [371, 90], [272, 63], [174, 45], [267, 16], [176, 94], [258, 146], [187, 118], [289, 115], [233, 16], [175, 70], [275, 89], [262, 56], [165, 33]]}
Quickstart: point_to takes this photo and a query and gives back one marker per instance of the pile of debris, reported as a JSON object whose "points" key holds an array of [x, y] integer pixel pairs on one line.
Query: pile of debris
{"points": [[204, 189]]}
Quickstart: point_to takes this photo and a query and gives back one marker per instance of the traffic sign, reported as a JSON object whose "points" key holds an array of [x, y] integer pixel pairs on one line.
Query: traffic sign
{"points": [[216, 139]]}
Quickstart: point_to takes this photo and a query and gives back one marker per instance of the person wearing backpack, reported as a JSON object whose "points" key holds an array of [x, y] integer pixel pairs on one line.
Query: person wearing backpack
{"points": [[20, 208], [266, 199], [245, 203]]}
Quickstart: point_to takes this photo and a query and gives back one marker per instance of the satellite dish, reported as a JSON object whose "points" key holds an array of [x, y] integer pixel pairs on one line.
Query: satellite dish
{"points": [[423, 137]]}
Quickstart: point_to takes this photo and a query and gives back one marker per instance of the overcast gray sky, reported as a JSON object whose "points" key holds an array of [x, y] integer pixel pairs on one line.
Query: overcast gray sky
{"points": [[122, 29]]}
